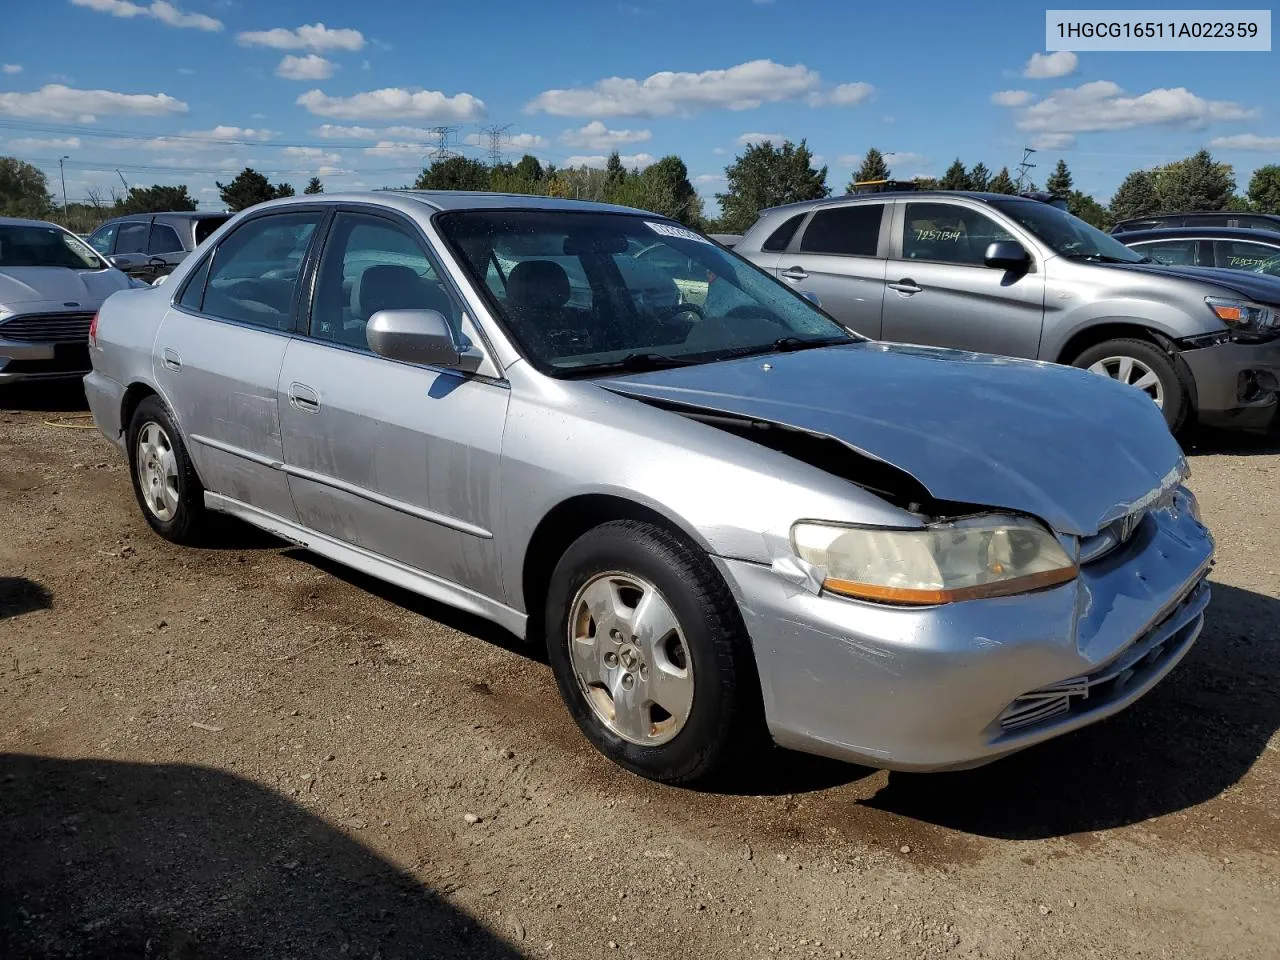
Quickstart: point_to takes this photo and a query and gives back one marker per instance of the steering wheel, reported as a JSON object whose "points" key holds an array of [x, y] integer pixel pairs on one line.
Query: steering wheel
{"points": [[666, 314]]}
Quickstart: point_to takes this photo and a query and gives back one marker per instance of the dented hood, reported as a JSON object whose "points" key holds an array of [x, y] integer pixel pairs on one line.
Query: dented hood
{"points": [[1072, 448]]}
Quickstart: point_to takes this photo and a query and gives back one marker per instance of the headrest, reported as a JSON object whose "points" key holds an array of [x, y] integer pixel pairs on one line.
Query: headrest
{"points": [[538, 283]]}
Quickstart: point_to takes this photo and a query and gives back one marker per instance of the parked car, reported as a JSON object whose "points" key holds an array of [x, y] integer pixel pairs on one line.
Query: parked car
{"points": [[1009, 275], [1228, 248], [51, 283], [1206, 218], [721, 522], [150, 245]]}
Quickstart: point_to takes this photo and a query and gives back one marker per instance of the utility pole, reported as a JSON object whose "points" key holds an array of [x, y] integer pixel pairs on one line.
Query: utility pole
{"points": [[1024, 167], [497, 134], [442, 151], [122, 180], [63, 173]]}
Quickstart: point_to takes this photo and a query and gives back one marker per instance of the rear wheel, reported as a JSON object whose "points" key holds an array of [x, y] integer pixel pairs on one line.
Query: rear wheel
{"points": [[164, 481], [650, 654], [1144, 366]]}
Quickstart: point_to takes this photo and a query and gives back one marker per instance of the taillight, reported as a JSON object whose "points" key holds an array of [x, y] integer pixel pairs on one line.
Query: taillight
{"points": [[93, 331]]}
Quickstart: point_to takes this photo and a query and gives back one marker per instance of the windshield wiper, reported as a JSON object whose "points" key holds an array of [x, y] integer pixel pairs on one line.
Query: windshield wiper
{"points": [[635, 363], [1104, 258], [785, 345]]}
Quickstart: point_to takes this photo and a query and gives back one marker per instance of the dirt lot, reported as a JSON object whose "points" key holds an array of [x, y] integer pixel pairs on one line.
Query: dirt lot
{"points": [[245, 752]]}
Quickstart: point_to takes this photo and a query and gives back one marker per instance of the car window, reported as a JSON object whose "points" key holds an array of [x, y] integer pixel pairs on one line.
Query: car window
{"points": [[102, 238], [371, 264], [193, 293], [255, 270], [1170, 252], [1244, 255], [164, 239], [39, 245], [949, 233], [779, 239], [132, 237], [207, 225], [511, 250], [852, 231]]}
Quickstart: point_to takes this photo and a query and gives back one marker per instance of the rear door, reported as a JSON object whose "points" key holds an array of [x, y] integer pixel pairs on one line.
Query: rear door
{"points": [[940, 292], [130, 253], [838, 255], [219, 351], [164, 249]]}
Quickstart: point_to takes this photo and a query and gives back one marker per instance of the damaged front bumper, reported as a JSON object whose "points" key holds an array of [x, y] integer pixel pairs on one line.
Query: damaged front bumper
{"points": [[1236, 383], [958, 685]]}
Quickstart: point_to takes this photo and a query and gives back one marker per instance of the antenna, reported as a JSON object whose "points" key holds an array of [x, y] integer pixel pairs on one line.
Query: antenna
{"points": [[1024, 167], [497, 135]]}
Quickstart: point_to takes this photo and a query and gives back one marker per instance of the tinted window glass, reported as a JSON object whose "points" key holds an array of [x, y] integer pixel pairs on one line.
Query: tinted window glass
{"points": [[101, 240], [1242, 255], [29, 245], [950, 233], [779, 239], [164, 239], [853, 230], [1172, 252], [255, 270], [206, 225], [132, 237], [372, 264], [193, 294]]}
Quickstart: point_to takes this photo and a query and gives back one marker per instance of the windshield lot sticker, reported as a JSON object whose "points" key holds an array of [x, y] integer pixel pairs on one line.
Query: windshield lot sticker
{"points": [[952, 235], [1246, 261], [669, 231]]}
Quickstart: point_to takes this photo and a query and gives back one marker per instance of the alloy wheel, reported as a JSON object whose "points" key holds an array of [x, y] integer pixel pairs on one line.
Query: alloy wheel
{"points": [[1134, 372], [157, 468]]}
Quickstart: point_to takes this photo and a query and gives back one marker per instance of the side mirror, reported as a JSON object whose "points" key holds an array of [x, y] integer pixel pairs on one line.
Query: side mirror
{"points": [[1007, 255], [811, 297], [120, 261], [159, 280], [413, 336]]}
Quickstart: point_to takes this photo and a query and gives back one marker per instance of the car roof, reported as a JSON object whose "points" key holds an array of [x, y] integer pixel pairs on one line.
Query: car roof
{"points": [[1200, 213], [460, 200], [1209, 232], [25, 222], [900, 195], [183, 214]]}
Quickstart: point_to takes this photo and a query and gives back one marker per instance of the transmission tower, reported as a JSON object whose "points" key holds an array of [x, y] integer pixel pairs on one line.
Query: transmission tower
{"points": [[497, 136], [441, 150], [1024, 167]]}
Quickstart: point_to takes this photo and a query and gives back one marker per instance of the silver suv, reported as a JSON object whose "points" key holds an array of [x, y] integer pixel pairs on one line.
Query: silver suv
{"points": [[1007, 275]]}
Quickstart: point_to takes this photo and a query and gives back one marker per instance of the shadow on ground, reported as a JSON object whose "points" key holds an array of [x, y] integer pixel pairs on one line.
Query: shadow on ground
{"points": [[114, 860], [18, 595], [1193, 736], [53, 396], [1232, 443]]}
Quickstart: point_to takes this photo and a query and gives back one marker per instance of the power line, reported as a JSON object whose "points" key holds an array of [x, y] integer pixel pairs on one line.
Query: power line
{"points": [[1024, 167], [443, 135], [497, 136]]}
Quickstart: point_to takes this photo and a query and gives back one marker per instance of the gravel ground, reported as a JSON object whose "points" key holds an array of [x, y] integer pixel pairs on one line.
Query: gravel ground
{"points": [[247, 752]]}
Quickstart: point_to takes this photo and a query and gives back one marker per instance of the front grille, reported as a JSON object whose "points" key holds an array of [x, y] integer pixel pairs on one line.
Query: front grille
{"points": [[1167, 640], [1111, 537], [47, 328]]}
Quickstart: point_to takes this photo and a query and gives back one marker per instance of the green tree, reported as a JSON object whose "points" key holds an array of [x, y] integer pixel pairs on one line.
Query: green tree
{"points": [[1196, 183], [1088, 209], [24, 191], [979, 177], [156, 199], [1002, 182], [1264, 189], [766, 176], [529, 168], [615, 173], [249, 188], [925, 183], [873, 168], [956, 177], [314, 186], [454, 173], [1059, 182], [664, 188], [1136, 197]]}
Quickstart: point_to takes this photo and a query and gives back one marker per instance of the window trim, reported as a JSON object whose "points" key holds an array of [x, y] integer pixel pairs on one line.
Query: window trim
{"points": [[798, 238], [898, 233], [326, 214]]}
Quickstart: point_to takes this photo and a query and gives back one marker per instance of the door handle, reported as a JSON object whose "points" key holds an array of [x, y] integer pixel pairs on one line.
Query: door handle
{"points": [[795, 273], [171, 359], [906, 285], [304, 398]]}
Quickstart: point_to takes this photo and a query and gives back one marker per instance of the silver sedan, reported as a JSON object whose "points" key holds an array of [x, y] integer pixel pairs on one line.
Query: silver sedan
{"points": [[726, 516]]}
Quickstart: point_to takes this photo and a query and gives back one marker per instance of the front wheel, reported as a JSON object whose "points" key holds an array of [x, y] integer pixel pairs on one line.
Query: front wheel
{"points": [[650, 654], [1142, 365]]}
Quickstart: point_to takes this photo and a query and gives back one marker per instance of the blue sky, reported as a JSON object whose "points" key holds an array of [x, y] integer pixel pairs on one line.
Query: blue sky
{"points": [[190, 91]]}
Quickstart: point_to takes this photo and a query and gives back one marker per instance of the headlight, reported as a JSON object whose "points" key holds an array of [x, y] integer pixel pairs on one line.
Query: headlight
{"points": [[1241, 313], [985, 556]]}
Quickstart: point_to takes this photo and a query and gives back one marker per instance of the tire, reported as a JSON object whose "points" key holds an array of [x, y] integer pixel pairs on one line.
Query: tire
{"points": [[164, 481], [1138, 358], [713, 717]]}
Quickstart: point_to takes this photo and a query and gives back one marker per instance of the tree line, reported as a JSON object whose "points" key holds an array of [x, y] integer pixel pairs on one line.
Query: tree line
{"points": [[764, 175]]}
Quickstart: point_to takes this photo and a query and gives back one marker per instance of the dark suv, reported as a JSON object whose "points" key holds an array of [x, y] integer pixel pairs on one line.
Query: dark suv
{"points": [[1218, 218], [150, 245]]}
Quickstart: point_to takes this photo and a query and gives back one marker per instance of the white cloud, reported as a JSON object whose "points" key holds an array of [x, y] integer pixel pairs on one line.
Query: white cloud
{"points": [[1102, 105], [630, 161], [900, 159], [159, 10], [710, 178], [741, 87], [325, 170], [394, 103], [719, 151], [200, 163], [844, 95], [67, 103], [1012, 98], [186, 71], [12, 68], [1046, 66], [335, 131], [392, 148], [746, 139], [315, 36], [526, 141], [217, 138], [596, 136], [311, 153], [225, 132], [310, 67], [36, 143], [520, 141], [1246, 141], [1053, 141]]}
